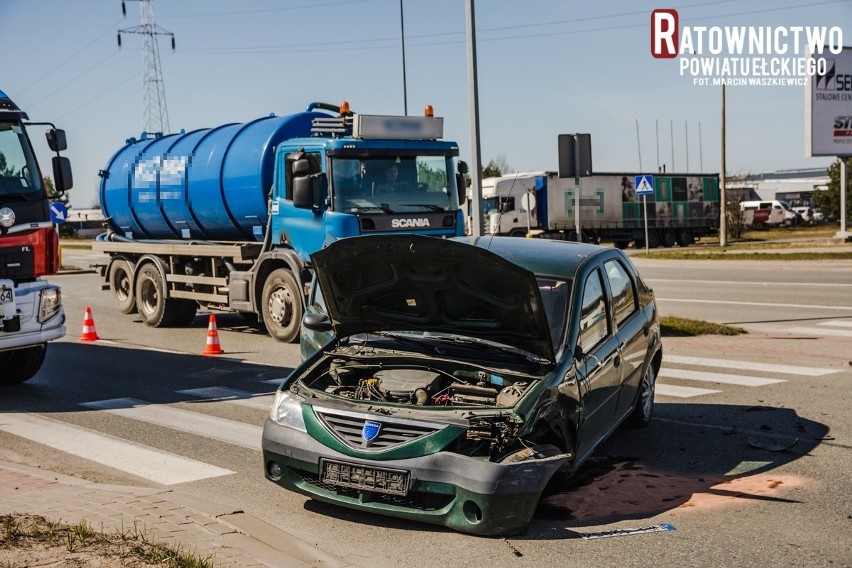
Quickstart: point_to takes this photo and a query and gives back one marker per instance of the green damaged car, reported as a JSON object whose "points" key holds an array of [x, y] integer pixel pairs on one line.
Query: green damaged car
{"points": [[462, 376]]}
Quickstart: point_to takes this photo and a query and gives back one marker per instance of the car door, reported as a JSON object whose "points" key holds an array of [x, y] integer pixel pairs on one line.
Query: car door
{"points": [[598, 367], [630, 330]]}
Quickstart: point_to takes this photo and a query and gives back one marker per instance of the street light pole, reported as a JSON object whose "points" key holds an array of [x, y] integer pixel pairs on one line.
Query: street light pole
{"points": [[473, 105], [402, 36]]}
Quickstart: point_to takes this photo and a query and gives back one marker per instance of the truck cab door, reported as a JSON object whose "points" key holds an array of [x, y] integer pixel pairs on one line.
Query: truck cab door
{"points": [[298, 201]]}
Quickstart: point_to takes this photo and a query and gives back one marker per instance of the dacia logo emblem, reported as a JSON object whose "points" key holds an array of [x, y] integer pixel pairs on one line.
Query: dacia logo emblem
{"points": [[371, 431]]}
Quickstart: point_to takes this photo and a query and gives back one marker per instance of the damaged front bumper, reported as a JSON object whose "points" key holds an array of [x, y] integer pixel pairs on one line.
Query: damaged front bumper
{"points": [[467, 494]]}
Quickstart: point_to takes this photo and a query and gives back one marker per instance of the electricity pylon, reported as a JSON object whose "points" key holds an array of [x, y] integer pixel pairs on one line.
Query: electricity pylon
{"points": [[155, 114]]}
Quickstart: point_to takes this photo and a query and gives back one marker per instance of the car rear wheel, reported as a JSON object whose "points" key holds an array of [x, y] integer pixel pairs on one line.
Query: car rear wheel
{"points": [[644, 409]]}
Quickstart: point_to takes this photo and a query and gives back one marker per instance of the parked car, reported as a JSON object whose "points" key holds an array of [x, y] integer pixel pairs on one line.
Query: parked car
{"points": [[806, 213], [462, 376], [771, 213]]}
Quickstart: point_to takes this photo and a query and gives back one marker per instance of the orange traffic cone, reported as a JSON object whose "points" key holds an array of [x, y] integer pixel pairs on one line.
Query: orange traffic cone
{"points": [[212, 347], [89, 333]]}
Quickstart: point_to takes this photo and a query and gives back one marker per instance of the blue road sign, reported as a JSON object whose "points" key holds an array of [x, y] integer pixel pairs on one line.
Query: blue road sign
{"points": [[644, 185], [58, 212]]}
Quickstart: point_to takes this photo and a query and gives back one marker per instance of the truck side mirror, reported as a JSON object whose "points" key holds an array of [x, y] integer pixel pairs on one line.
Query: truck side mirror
{"points": [[303, 196], [461, 188], [62, 178], [301, 167], [56, 139], [463, 168], [308, 191]]}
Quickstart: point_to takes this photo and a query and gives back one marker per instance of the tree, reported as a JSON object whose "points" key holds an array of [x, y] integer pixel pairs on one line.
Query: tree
{"points": [[828, 201], [496, 167], [491, 169]]}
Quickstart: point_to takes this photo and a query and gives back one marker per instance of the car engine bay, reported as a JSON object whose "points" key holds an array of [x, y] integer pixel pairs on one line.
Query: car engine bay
{"points": [[434, 384]]}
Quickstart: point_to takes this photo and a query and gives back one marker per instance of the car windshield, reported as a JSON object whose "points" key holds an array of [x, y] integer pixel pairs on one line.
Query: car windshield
{"points": [[393, 184], [19, 176]]}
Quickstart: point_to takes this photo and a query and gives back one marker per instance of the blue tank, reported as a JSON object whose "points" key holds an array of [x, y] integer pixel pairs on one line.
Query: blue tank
{"points": [[208, 184]]}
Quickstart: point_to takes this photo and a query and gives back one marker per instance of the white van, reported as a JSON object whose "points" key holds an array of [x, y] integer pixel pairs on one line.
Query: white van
{"points": [[768, 213]]}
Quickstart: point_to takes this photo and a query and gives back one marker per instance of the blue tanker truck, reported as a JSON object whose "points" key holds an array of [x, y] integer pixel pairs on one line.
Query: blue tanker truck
{"points": [[226, 218]]}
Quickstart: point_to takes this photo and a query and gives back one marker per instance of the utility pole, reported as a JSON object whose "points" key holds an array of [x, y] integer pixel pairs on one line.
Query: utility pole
{"points": [[402, 36], [723, 197], [473, 105], [155, 115]]}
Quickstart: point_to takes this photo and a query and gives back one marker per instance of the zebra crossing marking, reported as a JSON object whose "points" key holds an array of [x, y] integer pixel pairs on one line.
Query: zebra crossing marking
{"points": [[222, 429], [741, 380], [145, 462], [680, 392], [233, 396], [749, 366], [822, 331]]}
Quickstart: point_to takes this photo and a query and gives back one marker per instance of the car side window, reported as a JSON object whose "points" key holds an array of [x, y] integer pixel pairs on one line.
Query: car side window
{"points": [[624, 300], [594, 325]]}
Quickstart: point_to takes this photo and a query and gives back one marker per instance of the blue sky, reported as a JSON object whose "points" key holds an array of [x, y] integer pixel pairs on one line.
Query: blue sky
{"points": [[545, 67]]}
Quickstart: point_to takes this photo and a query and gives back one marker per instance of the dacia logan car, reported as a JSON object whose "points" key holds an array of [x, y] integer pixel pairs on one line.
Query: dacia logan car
{"points": [[454, 379]]}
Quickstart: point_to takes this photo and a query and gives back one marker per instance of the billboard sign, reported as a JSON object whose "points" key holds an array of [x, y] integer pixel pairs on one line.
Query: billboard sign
{"points": [[828, 108]]}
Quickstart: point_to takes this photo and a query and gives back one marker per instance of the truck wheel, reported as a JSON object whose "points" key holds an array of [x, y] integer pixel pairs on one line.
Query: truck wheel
{"points": [[186, 310], [669, 238], [653, 239], [151, 301], [121, 286], [621, 244], [282, 305], [20, 365], [684, 238]]}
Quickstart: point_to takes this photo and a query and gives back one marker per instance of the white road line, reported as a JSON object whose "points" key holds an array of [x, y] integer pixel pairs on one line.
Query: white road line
{"points": [[823, 332], [749, 366], [741, 380], [760, 284], [222, 429], [130, 457], [761, 304], [681, 392], [234, 396], [836, 323]]}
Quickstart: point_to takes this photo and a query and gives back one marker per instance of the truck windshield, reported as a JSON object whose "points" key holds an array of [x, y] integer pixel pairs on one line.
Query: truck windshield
{"points": [[392, 184], [19, 176]]}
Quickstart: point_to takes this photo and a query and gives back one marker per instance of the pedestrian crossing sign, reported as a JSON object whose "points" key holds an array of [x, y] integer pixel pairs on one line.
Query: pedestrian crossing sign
{"points": [[644, 185]]}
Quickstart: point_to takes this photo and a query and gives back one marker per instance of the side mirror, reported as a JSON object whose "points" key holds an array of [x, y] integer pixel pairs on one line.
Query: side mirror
{"points": [[303, 195], [308, 191], [62, 179], [56, 140], [461, 188], [317, 322], [463, 167], [578, 353], [301, 167]]}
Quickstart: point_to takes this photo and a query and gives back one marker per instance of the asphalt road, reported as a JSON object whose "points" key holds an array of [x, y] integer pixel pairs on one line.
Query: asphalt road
{"points": [[747, 459]]}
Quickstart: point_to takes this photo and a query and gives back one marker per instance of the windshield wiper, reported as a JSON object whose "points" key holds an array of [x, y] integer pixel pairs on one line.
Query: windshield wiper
{"points": [[429, 206]]}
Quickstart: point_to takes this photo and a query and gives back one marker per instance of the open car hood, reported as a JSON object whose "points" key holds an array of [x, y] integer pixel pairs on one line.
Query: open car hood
{"points": [[417, 283]]}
